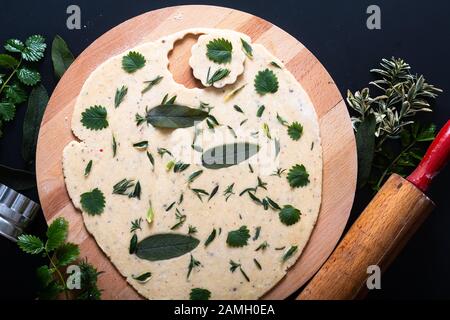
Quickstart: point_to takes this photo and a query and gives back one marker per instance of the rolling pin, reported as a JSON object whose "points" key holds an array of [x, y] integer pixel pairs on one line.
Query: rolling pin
{"points": [[382, 230]]}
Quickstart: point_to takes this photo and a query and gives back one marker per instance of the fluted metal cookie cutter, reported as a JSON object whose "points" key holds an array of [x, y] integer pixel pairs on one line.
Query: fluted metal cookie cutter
{"points": [[16, 212]]}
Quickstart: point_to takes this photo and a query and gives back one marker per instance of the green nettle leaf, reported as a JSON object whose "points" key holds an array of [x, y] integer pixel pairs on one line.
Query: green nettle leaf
{"points": [[120, 95], [17, 179], [30, 244], [199, 294], [266, 82], [93, 202], [7, 111], [174, 116], [165, 246], [28, 77], [239, 237], [57, 234], [94, 118], [67, 254], [133, 61], [14, 93], [14, 45], [298, 176], [44, 276], [34, 48], [246, 47], [219, 50], [62, 57], [7, 61], [289, 215], [365, 143], [228, 155], [295, 131], [37, 102]]}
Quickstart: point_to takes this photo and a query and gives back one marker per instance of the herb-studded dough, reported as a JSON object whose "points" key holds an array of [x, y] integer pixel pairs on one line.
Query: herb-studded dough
{"points": [[161, 187]]}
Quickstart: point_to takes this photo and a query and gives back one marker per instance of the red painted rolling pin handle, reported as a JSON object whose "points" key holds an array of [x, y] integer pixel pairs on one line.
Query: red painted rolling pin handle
{"points": [[438, 154]]}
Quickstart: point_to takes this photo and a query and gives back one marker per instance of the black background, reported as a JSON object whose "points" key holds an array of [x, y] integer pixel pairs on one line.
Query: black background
{"points": [[336, 32]]}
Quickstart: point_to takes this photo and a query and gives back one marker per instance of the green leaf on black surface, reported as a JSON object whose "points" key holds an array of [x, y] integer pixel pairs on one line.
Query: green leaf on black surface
{"points": [[94, 118], [34, 48], [7, 61], [17, 179], [37, 102], [174, 116], [14, 45], [365, 143], [165, 246], [67, 253], [7, 111], [14, 93], [62, 57], [28, 77], [228, 155], [44, 276], [30, 244], [57, 234]]}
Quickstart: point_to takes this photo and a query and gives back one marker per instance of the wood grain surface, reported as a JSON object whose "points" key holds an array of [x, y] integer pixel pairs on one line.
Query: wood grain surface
{"points": [[375, 239], [339, 151]]}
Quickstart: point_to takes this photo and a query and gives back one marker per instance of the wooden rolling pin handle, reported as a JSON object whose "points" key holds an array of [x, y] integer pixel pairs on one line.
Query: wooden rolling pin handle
{"points": [[381, 231], [434, 160]]}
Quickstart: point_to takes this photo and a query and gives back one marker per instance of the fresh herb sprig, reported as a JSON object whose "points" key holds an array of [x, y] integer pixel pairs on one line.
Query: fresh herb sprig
{"points": [[381, 121], [60, 254]]}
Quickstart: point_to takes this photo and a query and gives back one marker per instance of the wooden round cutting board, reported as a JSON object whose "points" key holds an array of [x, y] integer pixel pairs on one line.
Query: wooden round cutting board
{"points": [[339, 150]]}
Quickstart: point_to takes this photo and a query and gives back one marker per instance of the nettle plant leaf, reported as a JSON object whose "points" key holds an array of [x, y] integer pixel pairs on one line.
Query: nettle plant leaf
{"points": [[219, 50], [28, 77], [289, 215], [298, 176], [228, 155], [133, 61], [34, 48], [295, 131], [94, 118], [239, 237], [15, 93], [57, 234], [165, 246], [93, 202], [266, 82]]}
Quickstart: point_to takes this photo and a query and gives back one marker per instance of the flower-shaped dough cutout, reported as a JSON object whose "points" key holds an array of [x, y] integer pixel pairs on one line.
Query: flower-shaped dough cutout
{"points": [[217, 60]]}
